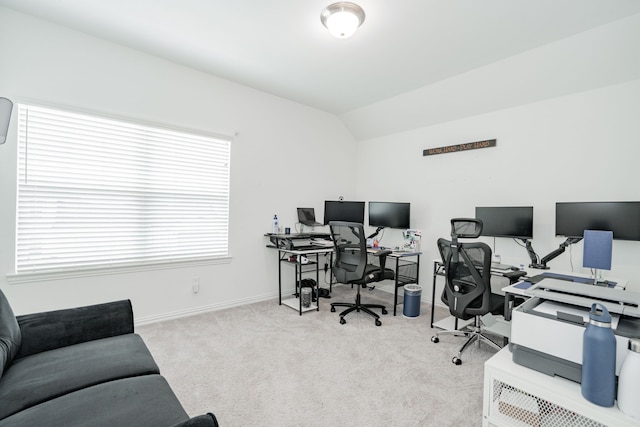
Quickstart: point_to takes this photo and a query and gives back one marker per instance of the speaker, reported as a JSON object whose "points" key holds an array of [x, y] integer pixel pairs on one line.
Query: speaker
{"points": [[5, 114]]}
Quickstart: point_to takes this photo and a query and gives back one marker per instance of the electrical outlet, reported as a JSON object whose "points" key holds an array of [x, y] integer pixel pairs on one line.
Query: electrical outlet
{"points": [[195, 285]]}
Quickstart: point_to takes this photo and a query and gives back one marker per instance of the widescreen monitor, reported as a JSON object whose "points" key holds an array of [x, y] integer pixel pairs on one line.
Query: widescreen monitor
{"points": [[506, 221], [340, 210], [389, 214], [623, 218]]}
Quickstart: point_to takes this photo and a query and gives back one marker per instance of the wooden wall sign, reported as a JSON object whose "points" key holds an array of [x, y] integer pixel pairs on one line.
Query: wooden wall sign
{"points": [[459, 147]]}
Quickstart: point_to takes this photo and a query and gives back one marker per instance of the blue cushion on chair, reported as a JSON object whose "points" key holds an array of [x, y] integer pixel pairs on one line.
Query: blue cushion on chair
{"points": [[10, 336]]}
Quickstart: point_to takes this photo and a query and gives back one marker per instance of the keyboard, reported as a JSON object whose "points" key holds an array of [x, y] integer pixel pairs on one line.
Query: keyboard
{"points": [[305, 247]]}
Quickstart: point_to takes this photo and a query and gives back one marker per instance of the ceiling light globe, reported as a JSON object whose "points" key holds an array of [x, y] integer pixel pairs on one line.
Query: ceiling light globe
{"points": [[342, 24], [342, 19]]}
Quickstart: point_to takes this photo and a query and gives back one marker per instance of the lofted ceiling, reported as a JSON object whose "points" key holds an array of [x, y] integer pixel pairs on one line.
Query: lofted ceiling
{"points": [[280, 46]]}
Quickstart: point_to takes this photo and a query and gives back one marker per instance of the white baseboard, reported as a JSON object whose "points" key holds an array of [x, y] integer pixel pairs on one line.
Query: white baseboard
{"points": [[203, 309]]}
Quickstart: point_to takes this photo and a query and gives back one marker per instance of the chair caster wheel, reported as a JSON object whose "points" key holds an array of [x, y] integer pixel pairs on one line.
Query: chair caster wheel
{"points": [[342, 321], [435, 339], [384, 311], [378, 322], [456, 360], [333, 309]]}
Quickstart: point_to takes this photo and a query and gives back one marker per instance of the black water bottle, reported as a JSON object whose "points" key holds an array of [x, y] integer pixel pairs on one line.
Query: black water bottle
{"points": [[599, 358]]}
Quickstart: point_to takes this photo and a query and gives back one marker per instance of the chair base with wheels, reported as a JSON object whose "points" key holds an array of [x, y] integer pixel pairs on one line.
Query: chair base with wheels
{"points": [[358, 307], [473, 335]]}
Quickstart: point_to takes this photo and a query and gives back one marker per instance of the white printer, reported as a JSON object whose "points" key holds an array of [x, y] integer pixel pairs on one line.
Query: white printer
{"points": [[547, 330]]}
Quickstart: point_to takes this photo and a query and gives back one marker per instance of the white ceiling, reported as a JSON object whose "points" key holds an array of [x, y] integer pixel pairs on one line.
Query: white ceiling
{"points": [[280, 46]]}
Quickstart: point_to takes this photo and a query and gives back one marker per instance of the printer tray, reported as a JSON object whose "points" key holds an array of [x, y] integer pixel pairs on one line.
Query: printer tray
{"points": [[546, 363]]}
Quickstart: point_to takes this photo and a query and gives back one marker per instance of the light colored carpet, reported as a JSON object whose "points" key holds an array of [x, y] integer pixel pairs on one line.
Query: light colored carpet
{"points": [[265, 365]]}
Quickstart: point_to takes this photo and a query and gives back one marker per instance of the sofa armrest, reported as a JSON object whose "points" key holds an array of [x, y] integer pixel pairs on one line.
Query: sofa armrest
{"points": [[207, 420], [54, 329]]}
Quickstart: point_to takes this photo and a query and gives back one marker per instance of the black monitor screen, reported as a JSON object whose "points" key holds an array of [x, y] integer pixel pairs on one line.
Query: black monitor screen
{"points": [[506, 221], [623, 218], [343, 211], [389, 214]]}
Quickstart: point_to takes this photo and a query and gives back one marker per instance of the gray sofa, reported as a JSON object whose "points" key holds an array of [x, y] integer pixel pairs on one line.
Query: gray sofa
{"points": [[83, 367]]}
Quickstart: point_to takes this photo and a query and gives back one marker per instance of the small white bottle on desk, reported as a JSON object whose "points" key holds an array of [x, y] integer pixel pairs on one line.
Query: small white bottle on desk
{"points": [[276, 227], [629, 381]]}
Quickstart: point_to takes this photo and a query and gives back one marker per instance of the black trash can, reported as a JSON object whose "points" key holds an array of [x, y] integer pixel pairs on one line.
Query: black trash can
{"points": [[411, 306]]}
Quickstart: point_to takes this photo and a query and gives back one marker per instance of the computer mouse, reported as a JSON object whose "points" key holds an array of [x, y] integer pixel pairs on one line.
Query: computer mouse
{"points": [[514, 268]]}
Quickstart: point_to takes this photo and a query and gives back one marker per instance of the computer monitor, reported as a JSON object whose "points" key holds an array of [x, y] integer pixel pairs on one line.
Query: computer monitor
{"points": [[623, 218], [506, 221], [389, 214], [340, 210]]}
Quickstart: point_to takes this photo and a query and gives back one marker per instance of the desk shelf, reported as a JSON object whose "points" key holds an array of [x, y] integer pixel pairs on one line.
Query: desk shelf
{"points": [[312, 266], [294, 303]]}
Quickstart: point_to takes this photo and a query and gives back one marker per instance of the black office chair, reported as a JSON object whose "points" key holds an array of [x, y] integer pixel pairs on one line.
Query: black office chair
{"points": [[467, 289], [351, 266]]}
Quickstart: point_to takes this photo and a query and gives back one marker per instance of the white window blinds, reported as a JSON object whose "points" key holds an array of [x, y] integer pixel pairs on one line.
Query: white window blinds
{"points": [[95, 192]]}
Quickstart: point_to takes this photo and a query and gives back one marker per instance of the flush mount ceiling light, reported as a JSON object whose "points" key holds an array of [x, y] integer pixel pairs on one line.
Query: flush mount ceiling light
{"points": [[342, 19]]}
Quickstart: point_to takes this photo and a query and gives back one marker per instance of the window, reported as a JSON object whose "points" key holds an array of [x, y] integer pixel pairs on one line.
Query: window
{"points": [[97, 192]]}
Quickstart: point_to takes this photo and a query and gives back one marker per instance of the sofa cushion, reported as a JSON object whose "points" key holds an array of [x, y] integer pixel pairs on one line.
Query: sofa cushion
{"points": [[145, 401], [49, 330], [43, 376], [9, 334]]}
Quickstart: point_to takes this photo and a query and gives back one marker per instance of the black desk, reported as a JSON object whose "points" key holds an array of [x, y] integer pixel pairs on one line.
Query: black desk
{"points": [[406, 266]]}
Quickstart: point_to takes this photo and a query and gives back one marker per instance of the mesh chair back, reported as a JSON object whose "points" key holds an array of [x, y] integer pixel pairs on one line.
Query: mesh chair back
{"points": [[350, 245]]}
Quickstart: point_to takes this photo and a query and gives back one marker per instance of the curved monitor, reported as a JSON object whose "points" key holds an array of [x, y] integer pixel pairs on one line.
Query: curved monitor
{"points": [[623, 218], [339, 210], [389, 214], [506, 221]]}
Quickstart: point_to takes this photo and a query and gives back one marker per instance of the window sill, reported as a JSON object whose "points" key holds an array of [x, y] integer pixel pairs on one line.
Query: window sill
{"points": [[16, 279]]}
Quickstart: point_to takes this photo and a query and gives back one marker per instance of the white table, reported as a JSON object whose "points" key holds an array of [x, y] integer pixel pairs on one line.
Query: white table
{"points": [[518, 396]]}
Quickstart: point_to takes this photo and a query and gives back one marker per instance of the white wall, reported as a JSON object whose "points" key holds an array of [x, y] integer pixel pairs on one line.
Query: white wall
{"points": [[581, 147], [279, 161], [600, 57]]}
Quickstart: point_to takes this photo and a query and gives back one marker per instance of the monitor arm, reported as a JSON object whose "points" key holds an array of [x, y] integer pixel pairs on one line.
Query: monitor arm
{"points": [[375, 233], [535, 260], [561, 249]]}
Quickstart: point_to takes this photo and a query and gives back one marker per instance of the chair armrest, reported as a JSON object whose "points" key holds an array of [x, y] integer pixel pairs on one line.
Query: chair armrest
{"points": [[207, 420], [383, 258], [54, 329]]}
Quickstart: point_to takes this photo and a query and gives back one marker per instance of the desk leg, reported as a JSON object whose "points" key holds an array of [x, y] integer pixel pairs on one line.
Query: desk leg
{"points": [[279, 278], [299, 279], [433, 290], [330, 272], [317, 283], [395, 293]]}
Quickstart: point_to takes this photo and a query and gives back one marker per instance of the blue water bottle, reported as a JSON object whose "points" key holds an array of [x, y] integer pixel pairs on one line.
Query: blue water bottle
{"points": [[599, 358]]}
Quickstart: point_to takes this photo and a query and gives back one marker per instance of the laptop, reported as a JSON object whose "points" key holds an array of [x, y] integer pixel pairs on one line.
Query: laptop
{"points": [[307, 216]]}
